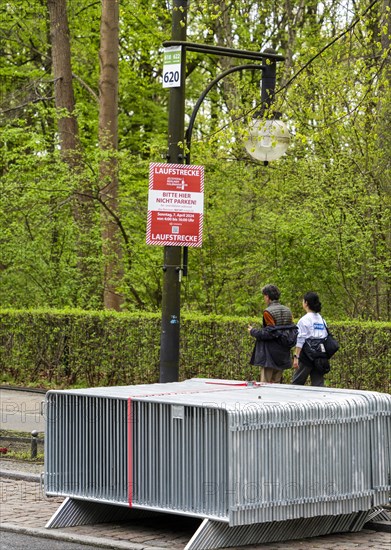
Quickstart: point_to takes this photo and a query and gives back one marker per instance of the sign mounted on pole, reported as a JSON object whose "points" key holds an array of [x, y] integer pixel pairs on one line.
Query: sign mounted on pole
{"points": [[175, 204], [172, 67]]}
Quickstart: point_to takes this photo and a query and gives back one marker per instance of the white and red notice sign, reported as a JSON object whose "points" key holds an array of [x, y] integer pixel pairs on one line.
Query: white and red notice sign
{"points": [[175, 204]]}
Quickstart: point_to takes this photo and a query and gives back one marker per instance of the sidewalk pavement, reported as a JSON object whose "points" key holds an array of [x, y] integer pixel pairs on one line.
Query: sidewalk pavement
{"points": [[25, 509]]}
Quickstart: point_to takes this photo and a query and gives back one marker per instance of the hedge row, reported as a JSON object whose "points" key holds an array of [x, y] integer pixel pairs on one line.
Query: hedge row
{"points": [[61, 349]]}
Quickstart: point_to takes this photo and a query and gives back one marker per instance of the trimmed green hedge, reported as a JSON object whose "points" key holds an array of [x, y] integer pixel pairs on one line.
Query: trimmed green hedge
{"points": [[59, 349]]}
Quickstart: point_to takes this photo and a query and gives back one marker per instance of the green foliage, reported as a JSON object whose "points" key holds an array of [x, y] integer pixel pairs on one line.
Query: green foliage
{"points": [[38, 256], [25, 456], [318, 219], [74, 348], [78, 348]]}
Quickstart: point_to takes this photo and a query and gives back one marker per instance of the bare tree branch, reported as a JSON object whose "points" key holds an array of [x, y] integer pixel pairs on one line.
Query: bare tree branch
{"points": [[348, 29], [86, 86], [22, 105]]}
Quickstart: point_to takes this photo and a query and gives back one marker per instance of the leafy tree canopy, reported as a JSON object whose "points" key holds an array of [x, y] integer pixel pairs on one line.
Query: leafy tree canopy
{"points": [[317, 219]]}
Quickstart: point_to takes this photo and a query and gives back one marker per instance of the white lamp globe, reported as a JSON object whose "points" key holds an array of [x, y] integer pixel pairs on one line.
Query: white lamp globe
{"points": [[267, 139]]}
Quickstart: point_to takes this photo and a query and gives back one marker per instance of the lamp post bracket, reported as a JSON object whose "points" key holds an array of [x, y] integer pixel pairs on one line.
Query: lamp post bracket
{"points": [[227, 52]]}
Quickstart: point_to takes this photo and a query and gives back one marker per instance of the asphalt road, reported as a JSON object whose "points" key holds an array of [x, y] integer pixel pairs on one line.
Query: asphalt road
{"points": [[21, 410]]}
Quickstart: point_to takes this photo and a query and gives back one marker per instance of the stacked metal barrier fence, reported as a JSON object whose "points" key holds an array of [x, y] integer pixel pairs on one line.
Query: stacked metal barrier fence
{"points": [[222, 450]]}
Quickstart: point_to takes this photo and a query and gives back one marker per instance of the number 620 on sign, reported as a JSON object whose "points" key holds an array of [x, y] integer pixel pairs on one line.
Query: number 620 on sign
{"points": [[172, 67]]}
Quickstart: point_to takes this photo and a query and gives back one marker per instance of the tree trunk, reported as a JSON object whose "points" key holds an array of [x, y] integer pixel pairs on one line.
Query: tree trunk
{"points": [[108, 140], [62, 71], [384, 140], [83, 208]]}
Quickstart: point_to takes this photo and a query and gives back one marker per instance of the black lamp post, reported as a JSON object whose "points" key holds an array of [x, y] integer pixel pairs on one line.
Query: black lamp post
{"points": [[262, 142]]}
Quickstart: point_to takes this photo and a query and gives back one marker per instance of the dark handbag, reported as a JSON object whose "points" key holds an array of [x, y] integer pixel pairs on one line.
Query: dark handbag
{"points": [[314, 348], [331, 344], [320, 348]]}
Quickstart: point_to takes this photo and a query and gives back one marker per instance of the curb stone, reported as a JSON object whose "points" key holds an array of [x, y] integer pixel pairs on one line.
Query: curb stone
{"points": [[18, 388], [79, 539], [21, 475]]}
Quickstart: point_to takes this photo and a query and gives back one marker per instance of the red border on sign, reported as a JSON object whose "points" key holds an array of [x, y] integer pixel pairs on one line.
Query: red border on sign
{"points": [[175, 206]]}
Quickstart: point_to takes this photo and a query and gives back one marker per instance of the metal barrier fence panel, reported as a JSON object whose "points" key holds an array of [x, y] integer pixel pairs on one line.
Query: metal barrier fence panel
{"points": [[232, 452]]}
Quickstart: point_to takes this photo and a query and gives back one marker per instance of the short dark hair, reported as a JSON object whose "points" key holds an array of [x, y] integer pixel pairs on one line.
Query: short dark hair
{"points": [[271, 291], [313, 301]]}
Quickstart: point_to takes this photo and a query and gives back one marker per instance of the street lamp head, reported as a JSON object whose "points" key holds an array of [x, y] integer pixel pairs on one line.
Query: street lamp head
{"points": [[268, 139]]}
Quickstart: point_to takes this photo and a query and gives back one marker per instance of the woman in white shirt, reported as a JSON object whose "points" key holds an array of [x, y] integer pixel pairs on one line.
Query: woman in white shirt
{"points": [[311, 325]]}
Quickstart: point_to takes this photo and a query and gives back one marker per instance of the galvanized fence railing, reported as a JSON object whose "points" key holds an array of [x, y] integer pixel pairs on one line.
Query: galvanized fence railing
{"points": [[233, 454]]}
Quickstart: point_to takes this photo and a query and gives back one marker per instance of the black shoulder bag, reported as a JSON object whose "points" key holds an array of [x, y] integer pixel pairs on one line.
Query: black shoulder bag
{"points": [[321, 348]]}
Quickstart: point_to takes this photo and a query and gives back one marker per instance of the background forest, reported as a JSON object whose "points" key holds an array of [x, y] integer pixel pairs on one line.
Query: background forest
{"points": [[74, 161]]}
